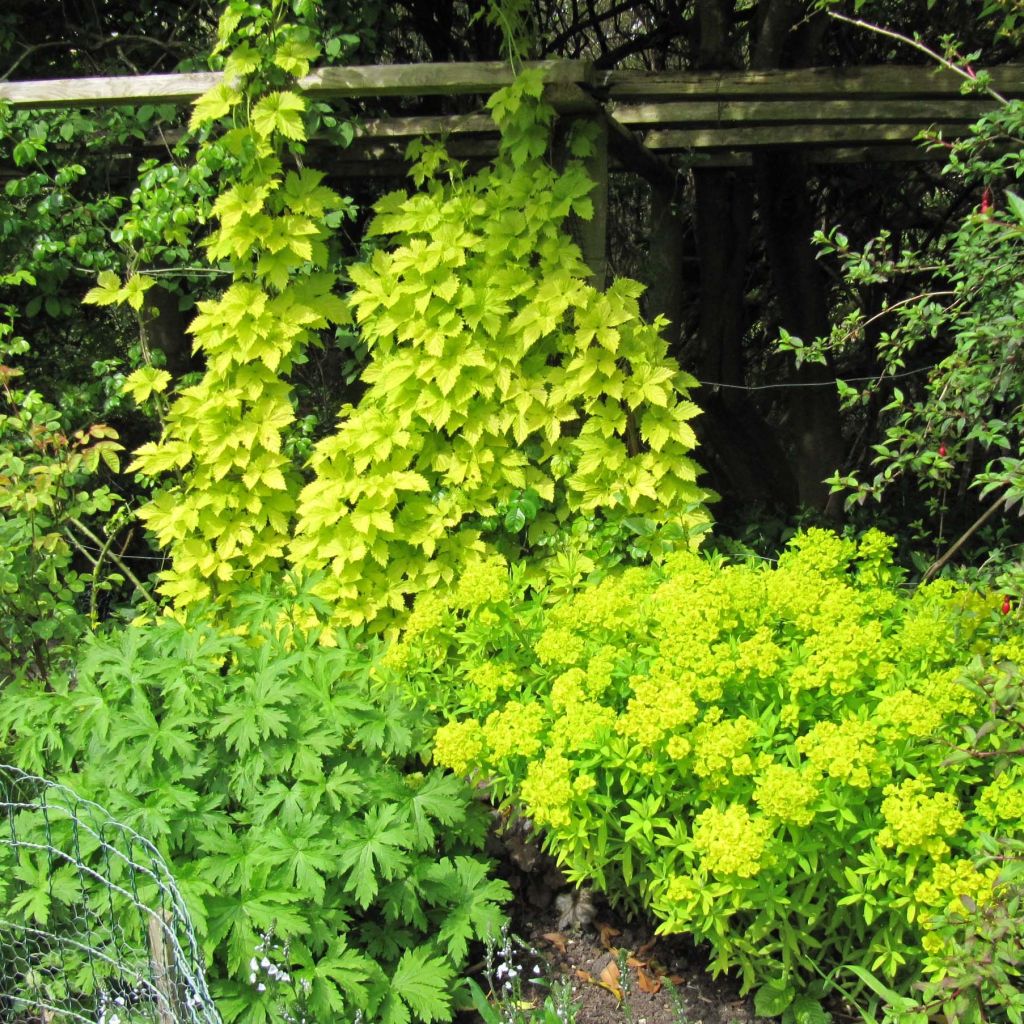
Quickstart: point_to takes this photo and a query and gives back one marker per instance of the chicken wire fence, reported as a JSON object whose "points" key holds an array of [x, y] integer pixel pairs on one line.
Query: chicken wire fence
{"points": [[92, 927]]}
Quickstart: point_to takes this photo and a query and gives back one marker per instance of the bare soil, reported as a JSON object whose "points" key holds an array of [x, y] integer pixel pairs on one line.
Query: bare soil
{"points": [[619, 970]]}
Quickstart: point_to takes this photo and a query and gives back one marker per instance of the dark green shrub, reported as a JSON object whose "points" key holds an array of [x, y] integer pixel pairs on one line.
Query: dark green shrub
{"points": [[286, 793]]}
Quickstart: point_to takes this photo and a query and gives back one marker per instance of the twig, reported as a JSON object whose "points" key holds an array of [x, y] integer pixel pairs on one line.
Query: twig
{"points": [[106, 552], [921, 48], [964, 537]]}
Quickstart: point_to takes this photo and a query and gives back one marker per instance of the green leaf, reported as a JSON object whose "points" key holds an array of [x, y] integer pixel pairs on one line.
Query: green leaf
{"points": [[280, 112], [296, 55], [378, 848], [135, 289], [144, 381], [805, 1010], [770, 1000], [214, 103], [1016, 205], [422, 983], [107, 292]]}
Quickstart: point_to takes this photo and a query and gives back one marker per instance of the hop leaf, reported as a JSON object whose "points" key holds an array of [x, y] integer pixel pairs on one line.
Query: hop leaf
{"points": [[214, 103], [280, 112], [144, 381], [107, 292]]}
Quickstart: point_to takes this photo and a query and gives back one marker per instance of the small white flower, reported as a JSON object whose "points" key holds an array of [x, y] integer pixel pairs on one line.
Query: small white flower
{"points": [[264, 962], [119, 1000], [536, 968], [284, 977], [261, 987], [254, 964], [114, 1019], [272, 970], [501, 971], [508, 986], [252, 978]]}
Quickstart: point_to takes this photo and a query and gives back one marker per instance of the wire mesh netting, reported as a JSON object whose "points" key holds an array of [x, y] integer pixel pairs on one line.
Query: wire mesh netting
{"points": [[92, 927]]}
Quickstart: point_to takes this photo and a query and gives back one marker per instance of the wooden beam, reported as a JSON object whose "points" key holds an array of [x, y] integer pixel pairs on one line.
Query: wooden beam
{"points": [[793, 135], [106, 92], [888, 153], [881, 81], [631, 154], [699, 113], [415, 127], [387, 161], [322, 83]]}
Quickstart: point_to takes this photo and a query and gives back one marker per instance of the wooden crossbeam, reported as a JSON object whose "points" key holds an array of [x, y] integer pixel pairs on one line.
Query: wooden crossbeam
{"points": [[879, 82], [790, 135], [731, 112], [888, 81], [322, 83]]}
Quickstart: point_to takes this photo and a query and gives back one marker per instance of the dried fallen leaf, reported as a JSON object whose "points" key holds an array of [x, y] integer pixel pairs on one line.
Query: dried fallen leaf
{"points": [[631, 961], [647, 947], [557, 940], [610, 978], [614, 989], [585, 976], [607, 934], [676, 979], [647, 981]]}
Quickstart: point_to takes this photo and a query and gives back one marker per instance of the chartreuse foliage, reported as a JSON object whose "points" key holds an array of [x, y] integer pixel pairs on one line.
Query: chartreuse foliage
{"points": [[753, 753], [227, 512], [287, 796], [496, 370]]}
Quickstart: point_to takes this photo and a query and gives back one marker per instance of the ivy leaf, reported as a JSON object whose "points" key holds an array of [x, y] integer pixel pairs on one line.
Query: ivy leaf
{"points": [[280, 112]]}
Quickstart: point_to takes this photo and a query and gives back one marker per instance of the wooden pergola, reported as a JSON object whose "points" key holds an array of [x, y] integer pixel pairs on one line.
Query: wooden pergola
{"points": [[655, 124], [672, 118]]}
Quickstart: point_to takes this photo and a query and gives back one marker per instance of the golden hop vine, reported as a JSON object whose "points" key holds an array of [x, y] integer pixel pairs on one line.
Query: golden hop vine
{"points": [[227, 514], [496, 368]]}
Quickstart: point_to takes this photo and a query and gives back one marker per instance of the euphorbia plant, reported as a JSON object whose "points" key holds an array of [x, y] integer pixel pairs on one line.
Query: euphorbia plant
{"points": [[755, 754]]}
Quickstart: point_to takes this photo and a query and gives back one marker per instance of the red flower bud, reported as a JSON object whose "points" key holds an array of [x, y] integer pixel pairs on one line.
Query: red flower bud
{"points": [[1005, 607], [986, 200], [942, 450]]}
